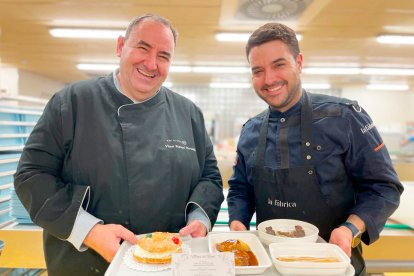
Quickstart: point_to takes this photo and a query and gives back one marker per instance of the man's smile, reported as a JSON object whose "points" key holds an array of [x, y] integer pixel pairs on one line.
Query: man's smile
{"points": [[141, 71]]}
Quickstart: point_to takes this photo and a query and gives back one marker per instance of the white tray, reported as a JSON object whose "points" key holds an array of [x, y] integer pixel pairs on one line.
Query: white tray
{"points": [[198, 245]]}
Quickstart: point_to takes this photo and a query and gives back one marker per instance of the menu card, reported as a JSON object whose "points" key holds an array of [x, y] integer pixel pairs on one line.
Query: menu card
{"points": [[203, 264]]}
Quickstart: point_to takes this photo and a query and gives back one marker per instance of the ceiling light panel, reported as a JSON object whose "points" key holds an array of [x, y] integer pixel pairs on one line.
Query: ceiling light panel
{"points": [[396, 39], [388, 71], [221, 69], [97, 67], [233, 37], [230, 85], [400, 87], [246, 70], [180, 69], [240, 37], [322, 86], [86, 33], [331, 71], [167, 84]]}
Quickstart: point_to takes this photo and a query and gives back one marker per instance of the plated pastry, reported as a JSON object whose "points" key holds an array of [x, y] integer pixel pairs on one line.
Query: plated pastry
{"points": [[157, 248]]}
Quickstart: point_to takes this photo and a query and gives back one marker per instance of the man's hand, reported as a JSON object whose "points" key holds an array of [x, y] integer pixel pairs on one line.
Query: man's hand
{"points": [[195, 229], [236, 225], [342, 237], [105, 239]]}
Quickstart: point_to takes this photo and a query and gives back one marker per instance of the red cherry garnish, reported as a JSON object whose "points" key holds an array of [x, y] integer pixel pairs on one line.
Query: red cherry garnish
{"points": [[175, 240]]}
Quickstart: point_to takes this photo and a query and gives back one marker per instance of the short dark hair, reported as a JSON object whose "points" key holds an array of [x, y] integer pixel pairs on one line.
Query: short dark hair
{"points": [[274, 31], [153, 17]]}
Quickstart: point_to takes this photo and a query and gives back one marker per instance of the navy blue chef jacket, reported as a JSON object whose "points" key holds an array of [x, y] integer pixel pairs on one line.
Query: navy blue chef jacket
{"points": [[352, 166]]}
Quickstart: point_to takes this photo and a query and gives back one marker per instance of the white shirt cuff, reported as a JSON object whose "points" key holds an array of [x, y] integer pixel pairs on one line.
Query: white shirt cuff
{"points": [[83, 224], [199, 214]]}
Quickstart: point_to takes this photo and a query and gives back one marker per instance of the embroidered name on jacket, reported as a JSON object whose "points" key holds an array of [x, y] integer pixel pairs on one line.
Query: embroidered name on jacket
{"points": [[278, 203], [367, 127], [177, 144]]}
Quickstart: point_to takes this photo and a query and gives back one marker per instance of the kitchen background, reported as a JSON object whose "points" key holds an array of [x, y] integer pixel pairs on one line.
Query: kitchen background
{"points": [[361, 50]]}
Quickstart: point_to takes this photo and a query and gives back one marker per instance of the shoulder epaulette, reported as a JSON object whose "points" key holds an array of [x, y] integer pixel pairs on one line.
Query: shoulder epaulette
{"points": [[321, 98]]}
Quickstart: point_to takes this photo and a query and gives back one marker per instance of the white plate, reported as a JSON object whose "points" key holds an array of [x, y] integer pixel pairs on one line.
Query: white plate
{"points": [[350, 271], [312, 250], [255, 246], [123, 263], [311, 231]]}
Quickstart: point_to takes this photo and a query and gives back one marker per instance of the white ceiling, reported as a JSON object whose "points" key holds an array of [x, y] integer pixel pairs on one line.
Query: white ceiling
{"points": [[335, 33]]}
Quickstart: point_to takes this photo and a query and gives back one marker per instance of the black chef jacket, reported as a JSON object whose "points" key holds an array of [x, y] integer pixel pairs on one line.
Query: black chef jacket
{"points": [[136, 164]]}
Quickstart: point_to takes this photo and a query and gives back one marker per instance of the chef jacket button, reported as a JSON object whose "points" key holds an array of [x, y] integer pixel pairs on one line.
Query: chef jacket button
{"points": [[282, 120], [310, 172], [308, 157], [318, 147], [307, 144], [95, 270]]}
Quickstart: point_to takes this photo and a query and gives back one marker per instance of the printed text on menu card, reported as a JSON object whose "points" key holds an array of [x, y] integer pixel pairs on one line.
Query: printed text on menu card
{"points": [[205, 264]]}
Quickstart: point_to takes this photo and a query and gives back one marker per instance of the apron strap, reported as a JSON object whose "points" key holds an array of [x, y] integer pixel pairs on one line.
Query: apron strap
{"points": [[260, 155], [306, 119]]}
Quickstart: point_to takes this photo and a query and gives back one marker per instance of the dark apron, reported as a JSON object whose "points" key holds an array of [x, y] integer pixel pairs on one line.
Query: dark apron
{"points": [[294, 193]]}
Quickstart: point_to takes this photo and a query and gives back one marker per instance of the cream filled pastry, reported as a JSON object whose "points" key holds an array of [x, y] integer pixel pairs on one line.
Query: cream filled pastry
{"points": [[157, 248]]}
